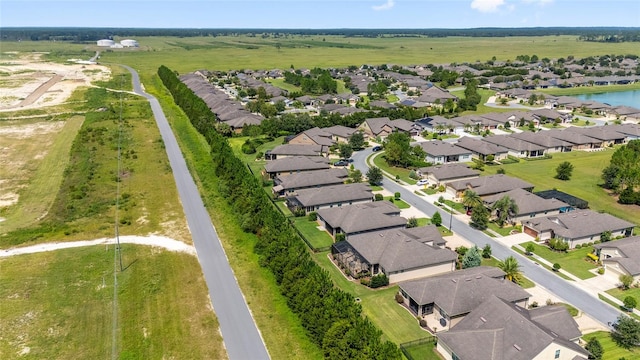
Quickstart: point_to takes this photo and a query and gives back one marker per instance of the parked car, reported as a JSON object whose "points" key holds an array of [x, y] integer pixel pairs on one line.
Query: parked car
{"points": [[349, 160], [422, 182], [377, 148], [341, 163]]}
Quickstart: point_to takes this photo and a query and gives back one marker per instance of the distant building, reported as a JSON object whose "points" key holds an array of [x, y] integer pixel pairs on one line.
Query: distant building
{"points": [[106, 42], [129, 43]]}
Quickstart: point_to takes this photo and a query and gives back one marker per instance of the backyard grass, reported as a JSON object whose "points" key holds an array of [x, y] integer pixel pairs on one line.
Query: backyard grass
{"points": [[573, 261], [283, 85], [611, 350], [309, 229], [59, 305], [621, 294], [423, 351], [395, 321], [379, 161], [585, 181], [250, 159]]}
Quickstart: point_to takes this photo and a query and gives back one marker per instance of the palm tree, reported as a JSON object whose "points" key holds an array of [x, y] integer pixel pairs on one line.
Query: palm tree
{"points": [[471, 199], [511, 268], [505, 208]]}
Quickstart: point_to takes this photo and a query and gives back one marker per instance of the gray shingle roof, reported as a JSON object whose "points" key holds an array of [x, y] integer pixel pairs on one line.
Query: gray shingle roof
{"points": [[341, 131], [629, 251], [363, 217], [489, 185], [579, 224], [512, 143], [541, 138], [434, 93], [598, 132], [377, 124], [402, 249], [297, 163], [333, 194], [306, 179], [451, 171], [299, 149], [480, 147], [572, 137], [528, 202], [460, 292], [498, 330], [441, 148]]}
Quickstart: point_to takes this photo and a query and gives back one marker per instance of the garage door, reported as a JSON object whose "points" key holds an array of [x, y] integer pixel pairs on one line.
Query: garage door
{"points": [[531, 232]]}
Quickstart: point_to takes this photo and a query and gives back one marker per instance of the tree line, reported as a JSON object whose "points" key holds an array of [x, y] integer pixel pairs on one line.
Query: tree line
{"points": [[332, 318]]}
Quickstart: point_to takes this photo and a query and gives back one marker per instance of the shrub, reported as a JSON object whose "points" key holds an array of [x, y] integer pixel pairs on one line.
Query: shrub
{"points": [[556, 267], [299, 212], [412, 222], [601, 271], [630, 302], [413, 175], [379, 281], [423, 323], [378, 197], [530, 249], [259, 155], [313, 216], [248, 147], [399, 299], [441, 199], [396, 196], [534, 304], [558, 245], [441, 188], [340, 237], [578, 246]]}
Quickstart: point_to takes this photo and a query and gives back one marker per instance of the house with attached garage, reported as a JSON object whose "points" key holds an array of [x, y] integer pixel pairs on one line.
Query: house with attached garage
{"points": [[295, 164], [541, 138], [577, 227], [579, 141], [529, 205], [313, 136], [436, 96], [383, 126], [400, 254], [440, 152], [606, 134], [481, 150], [518, 148], [289, 150], [361, 218], [308, 179], [329, 196], [445, 173], [621, 256], [487, 185], [444, 300], [498, 329]]}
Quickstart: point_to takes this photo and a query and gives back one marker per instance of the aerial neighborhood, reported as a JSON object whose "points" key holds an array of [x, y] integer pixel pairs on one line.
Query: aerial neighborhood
{"points": [[376, 241]]}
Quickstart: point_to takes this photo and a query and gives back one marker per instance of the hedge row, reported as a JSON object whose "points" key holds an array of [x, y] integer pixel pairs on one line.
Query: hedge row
{"points": [[331, 317]]}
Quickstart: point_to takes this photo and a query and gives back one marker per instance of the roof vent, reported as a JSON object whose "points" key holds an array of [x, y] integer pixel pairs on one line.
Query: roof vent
{"points": [[454, 280], [483, 319], [467, 279], [478, 277], [517, 347], [554, 334]]}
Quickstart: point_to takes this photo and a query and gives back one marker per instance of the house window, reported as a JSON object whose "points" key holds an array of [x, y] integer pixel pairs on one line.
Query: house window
{"points": [[557, 354]]}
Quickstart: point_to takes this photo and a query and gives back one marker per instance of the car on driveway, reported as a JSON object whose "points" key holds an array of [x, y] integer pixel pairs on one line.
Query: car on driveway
{"points": [[422, 182], [377, 148], [341, 163]]}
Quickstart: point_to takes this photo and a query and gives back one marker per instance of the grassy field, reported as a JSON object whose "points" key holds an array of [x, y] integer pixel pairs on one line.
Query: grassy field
{"points": [[397, 323], [59, 305], [585, 181], [611, 350], [621, 294], [316, 237], [573, 261], [590, 89]]}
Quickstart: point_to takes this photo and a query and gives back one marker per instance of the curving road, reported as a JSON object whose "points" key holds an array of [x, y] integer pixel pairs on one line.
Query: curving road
{"points": [[566, 290], [242, 339]]}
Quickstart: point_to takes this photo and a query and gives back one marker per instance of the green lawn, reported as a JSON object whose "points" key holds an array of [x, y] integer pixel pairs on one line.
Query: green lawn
{"points": [[401, 204], [573, 261], [283, 85], [395, 321], [504, 231], [621, 294], [619, 307], [256, 165], [309, 229], [456, 206], [525, 283], [589, 89], [572, 310], [424, 351], [585, 182], [403, 173], [482, 108], [611, 350]]}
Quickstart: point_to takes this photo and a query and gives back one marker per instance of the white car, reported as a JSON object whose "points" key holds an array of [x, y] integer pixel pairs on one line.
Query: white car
{"points": [[422, 182]]}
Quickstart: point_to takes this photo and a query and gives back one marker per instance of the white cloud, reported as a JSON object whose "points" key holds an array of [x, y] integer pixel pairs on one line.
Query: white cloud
{"points": [[486, 6], [386, 6], [538, 2]]}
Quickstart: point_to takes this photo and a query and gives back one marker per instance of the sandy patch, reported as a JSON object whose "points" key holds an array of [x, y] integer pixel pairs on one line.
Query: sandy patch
{"points": [[23, 74]]}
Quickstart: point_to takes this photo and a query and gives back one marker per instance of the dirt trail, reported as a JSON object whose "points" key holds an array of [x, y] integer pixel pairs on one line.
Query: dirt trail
{"points": [[39, 92], [152, 240]]}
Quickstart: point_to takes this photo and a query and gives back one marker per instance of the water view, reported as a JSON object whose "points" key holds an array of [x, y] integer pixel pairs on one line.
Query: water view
{"points": [[628, 98]]}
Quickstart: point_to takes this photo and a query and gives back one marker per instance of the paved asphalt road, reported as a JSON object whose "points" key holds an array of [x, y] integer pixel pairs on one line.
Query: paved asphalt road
{"points": [[566, 290], [242, 339]]}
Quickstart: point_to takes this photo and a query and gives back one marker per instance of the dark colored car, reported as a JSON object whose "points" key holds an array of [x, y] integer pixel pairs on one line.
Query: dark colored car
{"points": [[341, 163], [377, 148]]}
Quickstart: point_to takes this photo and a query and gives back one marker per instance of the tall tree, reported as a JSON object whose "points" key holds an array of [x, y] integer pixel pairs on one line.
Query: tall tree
{"points": [[374, 175], [624, 169], [471, 199], [356, 140], [594, 348], [505, 209], [345, 150], [564, 171], [436, 219], [479, 217], [471, 258], [398, 149], [511, 268], [626, 332]]}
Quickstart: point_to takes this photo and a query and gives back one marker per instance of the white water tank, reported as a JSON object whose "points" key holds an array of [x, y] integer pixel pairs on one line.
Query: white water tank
{"points": [[129, 43], [106, 42]]}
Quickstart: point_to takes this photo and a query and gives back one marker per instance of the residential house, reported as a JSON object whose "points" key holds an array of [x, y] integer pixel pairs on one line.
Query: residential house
{"points": [[630, 131], [376, 127], [361, 218], [295, 164], [400, 254], [440, 152], [444, 300], [621, 256], [481, 149], [436, 96], [550, 115], [313, 136], [518, 148], [441, 125], [497, 329], [507, 120], [380, 104], [579, 141], [577, 227], [445, 173], [288, 150], [607, 135], [542, 138], [529, 205], [406, 126], [314, 199], [627, 113], [309, 179], [487, 185], [340, 133]]}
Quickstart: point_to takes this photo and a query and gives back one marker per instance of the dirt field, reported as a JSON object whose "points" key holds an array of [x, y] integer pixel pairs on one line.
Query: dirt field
{"points": [[27, 81]]}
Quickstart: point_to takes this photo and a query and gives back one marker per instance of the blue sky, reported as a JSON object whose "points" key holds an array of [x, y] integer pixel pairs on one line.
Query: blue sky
{"points": [[314, 14]]}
